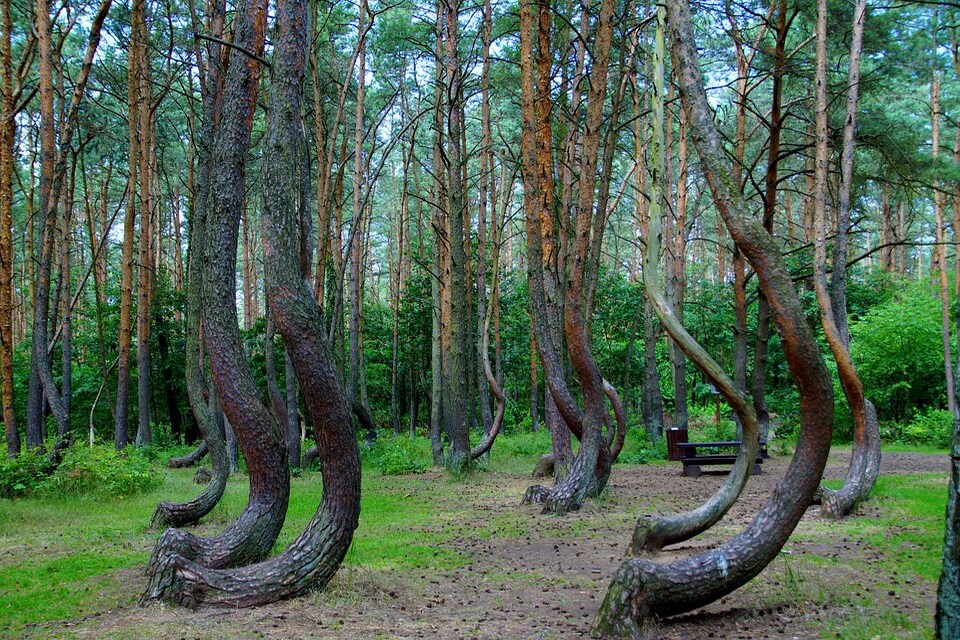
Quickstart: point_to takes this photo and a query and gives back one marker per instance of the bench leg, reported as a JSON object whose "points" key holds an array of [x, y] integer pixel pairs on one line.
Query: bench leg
{"points": [[691, 470], [757, 470]]}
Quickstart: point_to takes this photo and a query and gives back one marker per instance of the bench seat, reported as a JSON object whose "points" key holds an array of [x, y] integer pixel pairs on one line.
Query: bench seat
{"points": [[692, 460]]}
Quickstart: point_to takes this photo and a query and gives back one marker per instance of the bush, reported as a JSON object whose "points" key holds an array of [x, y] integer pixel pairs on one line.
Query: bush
{"points": [[637, 448], [899, 353], [101, 470], [932, 427], [394, 455], [21, 475]]}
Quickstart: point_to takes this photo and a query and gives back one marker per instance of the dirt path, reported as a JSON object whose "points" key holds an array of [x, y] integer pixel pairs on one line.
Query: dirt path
{"points": [[526, 575]]}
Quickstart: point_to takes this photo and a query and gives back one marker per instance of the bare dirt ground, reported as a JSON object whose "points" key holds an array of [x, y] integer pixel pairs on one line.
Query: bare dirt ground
{"points": [[526, 575]]}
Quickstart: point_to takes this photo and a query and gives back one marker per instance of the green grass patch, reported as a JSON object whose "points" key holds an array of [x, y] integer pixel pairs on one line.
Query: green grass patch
{"points": [[76, 555]]}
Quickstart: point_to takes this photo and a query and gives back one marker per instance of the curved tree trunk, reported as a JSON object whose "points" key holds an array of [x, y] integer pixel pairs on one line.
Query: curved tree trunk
{"points": [[251, 536], [313, 558], [497, 422], [652, 533], [865, 459], [192, 458], [642, 590], [588, 474]]}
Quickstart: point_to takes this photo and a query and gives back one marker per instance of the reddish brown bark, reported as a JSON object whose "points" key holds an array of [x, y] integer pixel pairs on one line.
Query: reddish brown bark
{"points": [[8, 129], [313, 558], [251, 536], [641, 589]]}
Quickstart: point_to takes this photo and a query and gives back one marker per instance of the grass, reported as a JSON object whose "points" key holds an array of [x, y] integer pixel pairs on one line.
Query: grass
{"points": [[899, 535], [65, 558]]}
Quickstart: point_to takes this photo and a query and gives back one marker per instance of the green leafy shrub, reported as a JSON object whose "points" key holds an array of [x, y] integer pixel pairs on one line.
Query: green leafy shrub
{"points": [[101, 470], [932, 427], [21, 475], [898, 351], [638, 449], [394, 455]]}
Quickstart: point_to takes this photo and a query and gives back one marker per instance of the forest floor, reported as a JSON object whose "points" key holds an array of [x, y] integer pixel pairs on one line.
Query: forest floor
{"points": [[440, 559]]}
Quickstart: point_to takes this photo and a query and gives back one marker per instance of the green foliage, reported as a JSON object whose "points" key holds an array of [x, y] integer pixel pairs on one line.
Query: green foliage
{"points": [[394, 455], [23, 474], [102, 471], [638, 449], [930, 427], [897, 349]]}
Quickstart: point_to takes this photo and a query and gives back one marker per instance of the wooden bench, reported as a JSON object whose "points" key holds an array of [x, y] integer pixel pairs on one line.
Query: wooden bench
{"points": [[720, 453]]}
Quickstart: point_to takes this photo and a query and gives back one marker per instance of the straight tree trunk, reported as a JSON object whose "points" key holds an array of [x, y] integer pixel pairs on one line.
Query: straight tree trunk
{"points": [[8, 132], [355, 373], [455, 392], [677, 277], [121, 412], [940, 251], [145, 263], [292, 424], [439, 251], [53, 176]]}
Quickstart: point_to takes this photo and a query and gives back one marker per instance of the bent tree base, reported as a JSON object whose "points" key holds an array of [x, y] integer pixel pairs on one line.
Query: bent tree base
{"points": [[173, 514], [190, 459], [642, 590], [586, 478], [862, 473]]}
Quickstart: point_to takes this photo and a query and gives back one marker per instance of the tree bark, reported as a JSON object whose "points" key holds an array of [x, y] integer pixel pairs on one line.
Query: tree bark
{"points": [[8, 132], [940, 251], [865, 458], [652, 533], [192, 458], [590, 470], [641, 589], [314, 557], [202, 399], [144, 125], [251, 536], [53, 175], [455, 389]]}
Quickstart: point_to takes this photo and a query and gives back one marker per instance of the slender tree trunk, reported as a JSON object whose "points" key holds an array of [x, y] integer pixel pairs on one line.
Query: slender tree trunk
{"points": [[641, 589], [439, 250], [146, 253], [121, 412], [53, 176], [677, 278], [66, 315], [940, 251], [865, 459], [292, 424], [8, 133], [355, 373], [455, 392]]}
